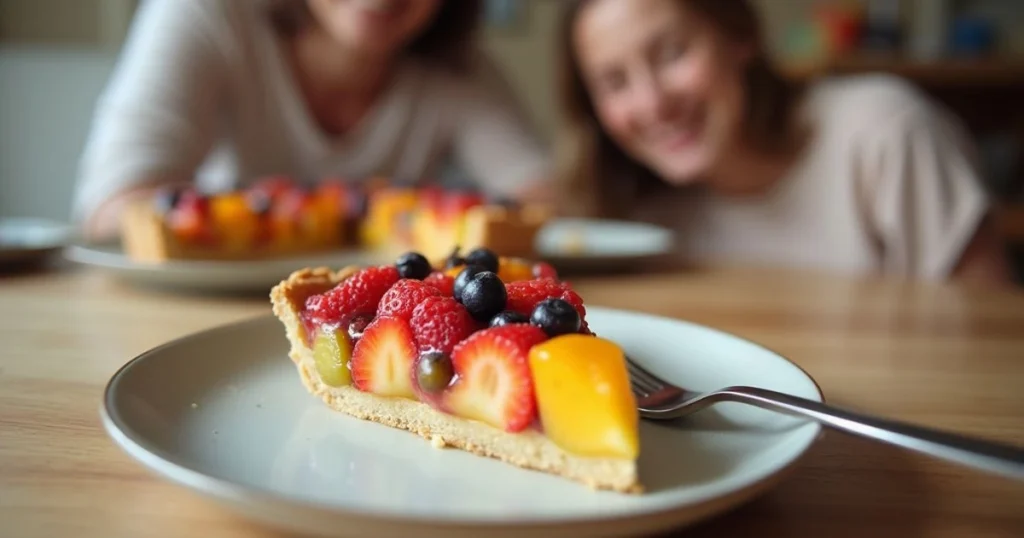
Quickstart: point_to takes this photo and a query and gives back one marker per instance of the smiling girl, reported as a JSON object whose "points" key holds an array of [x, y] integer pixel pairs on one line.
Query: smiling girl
{"points": [[223, 92], [676, 116]]}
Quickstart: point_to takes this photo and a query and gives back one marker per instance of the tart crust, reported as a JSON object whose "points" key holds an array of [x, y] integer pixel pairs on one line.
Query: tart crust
{"points": [[528, 450]]}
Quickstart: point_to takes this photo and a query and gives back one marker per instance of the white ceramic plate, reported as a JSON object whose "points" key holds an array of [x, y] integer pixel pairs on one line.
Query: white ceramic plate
{"points": [[572, 244], [223, 412], [606, 244], [24, 240], [211, 276]]}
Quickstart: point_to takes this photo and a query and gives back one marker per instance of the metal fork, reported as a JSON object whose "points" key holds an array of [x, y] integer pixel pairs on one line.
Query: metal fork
{"points": [[658, 399]]}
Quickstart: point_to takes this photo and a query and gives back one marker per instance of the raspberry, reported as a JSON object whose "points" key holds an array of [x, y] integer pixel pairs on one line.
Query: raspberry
{"points": [[524, 295], [522, 335], [439, 323], [402, 298], [442, 282], [357, 295], [544, 270]]}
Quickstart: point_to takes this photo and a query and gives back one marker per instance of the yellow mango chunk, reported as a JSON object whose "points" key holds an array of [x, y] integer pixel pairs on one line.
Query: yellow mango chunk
{"points": [[235, 222], [583, 396]]}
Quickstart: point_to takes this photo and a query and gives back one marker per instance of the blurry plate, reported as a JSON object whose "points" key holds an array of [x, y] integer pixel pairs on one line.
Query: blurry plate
{"points": [[212, 276], [604, 244], [28, 240], [223, 412]]}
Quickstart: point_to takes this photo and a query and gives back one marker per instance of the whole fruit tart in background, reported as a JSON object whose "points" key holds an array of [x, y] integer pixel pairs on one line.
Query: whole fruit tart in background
{"points": [[485, 353], [277, 217]]}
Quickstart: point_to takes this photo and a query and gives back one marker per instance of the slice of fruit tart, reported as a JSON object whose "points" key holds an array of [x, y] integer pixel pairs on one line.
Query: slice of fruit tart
{"points": [[488, 354]]}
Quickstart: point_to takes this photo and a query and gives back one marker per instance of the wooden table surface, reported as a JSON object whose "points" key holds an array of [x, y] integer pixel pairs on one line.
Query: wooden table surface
{"points": [[945, 356]]}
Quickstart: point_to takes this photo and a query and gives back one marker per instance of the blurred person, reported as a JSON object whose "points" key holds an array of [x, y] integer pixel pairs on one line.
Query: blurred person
{"points": [[675, 115], [222, 92]]}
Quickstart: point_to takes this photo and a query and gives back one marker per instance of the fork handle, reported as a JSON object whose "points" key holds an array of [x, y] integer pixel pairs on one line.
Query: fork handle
{"points": [[973, 452]]}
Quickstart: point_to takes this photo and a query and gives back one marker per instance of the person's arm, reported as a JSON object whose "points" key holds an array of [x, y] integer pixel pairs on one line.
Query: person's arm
{"points": [[495, 142], [155, 121], [927, 203]]}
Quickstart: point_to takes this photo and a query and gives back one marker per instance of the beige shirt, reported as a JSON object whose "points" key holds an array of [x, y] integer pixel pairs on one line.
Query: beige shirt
{"points": [[203, 90], [887, 185]]}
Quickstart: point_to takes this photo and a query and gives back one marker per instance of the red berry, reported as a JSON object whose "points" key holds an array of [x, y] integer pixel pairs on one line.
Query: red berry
{"points": [[439, 323], [382, 359], [442, 282], [358, 295], [402, 298], [544, 270], [524, 295], [493, 381]]}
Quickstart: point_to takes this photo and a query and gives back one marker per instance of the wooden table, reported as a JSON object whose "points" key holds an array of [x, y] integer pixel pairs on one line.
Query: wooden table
{"points": [[945, 356]]}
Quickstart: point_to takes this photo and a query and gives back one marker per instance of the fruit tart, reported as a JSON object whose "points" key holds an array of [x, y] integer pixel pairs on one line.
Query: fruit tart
{"points": [[274, 217], [485, 353], [433, 221]]}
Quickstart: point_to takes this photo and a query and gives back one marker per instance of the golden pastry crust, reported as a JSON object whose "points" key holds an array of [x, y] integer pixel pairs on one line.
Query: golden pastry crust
{"points": [[528, 450]]}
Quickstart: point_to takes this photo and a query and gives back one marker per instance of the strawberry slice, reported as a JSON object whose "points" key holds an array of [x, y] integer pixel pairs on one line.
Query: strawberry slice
{"points": [[493, 382], [382, 359]]}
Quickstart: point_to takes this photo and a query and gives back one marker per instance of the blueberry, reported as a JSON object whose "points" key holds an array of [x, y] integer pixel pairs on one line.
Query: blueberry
{"points": [[167, 199], [555, 317], [259, 202], [413, 265], [508, 317], [463, 278], [454, 260], [434, 371], [484, 257], [484, 296]]}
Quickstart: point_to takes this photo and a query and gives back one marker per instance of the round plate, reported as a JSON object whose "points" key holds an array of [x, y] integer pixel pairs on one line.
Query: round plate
{"points": [[223, 412], [588, 244], [25, 240], [212, 276]]}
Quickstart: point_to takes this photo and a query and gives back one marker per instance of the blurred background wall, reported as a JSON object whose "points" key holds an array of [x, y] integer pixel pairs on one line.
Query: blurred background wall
{"points": [[55, 56]]}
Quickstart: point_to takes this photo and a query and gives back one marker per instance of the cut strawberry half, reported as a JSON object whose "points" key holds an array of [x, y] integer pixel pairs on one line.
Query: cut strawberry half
{"points": [[383, 358], [493, 382]]}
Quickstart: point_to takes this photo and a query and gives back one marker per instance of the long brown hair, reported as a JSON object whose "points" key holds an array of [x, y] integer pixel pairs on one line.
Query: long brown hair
{"points": [[446, 42], [600, 177]]}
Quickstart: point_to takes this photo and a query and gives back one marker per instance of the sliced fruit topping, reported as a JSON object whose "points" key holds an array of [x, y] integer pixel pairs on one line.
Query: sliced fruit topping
{"points": [[484, 296], [444, 283], [403, 297], [484, 258], [508, 317], [524, 296], [493, 382], [583, 396], [357, 295], [235, 222], [439, 323], [514, 270], [555, 317], [332, 351], [463, 277], [259, 202], [434, 372], [383, 358], [190, 218], [413, 265]]}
